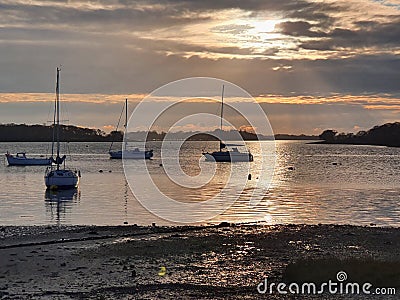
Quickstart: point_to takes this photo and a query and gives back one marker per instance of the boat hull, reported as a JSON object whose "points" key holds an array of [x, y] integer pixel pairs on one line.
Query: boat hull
{"points": [[61, 179], [131, 154], [228, 156], [24, 161]]}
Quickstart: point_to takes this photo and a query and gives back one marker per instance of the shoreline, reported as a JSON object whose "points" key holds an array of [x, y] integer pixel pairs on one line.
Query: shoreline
{"points": [[191, 262]]}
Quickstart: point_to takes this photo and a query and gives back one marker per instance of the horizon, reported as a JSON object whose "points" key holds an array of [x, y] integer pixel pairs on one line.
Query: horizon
{"points": [[214, 129], [102, 112]]}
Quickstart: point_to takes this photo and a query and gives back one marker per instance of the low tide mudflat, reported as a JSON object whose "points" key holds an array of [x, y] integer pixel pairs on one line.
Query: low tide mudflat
{"points": [[211, 262]]}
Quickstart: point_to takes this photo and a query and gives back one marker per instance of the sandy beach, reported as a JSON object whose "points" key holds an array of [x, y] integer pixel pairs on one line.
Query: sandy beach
{"points": [[211, 262]]}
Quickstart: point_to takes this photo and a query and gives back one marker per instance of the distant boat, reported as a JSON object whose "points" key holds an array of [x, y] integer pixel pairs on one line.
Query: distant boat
{"points": [[20, 159], [56, 177], [129, 153], [225, 155]]}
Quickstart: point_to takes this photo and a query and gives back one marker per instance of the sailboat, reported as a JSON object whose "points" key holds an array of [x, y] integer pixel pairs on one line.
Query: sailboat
{"points": [[226, 155], [20, 159], [57, 177], [135, 153]]}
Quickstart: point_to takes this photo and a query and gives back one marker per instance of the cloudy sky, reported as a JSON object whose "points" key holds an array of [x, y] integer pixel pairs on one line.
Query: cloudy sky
{"points": [[312, 65]]}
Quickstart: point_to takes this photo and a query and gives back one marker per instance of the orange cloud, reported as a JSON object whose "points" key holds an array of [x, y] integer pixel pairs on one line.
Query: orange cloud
{"points": [[84, 98]]}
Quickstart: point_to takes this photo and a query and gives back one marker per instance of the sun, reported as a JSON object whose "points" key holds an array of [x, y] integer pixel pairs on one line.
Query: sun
{"points": [[261, 35], [265, 26]]}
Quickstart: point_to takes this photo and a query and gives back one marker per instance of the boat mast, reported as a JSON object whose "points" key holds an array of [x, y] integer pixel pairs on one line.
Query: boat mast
{"points": [[222, 113], [126, 113], [126, 121], [119, 121], [58, 117], [54, 127]]}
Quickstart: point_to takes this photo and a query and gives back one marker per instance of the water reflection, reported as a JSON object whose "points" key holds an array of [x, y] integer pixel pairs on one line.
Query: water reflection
{"points": [[126, 196], [59, 203], [311, 184]]}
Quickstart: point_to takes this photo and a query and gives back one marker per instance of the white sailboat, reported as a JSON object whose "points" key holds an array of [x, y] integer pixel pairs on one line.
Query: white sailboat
{"points": [[226, 155], [135, 153], [20, 159], [55, 176]]}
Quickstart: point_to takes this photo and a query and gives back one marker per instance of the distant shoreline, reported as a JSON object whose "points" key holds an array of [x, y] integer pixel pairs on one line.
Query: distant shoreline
{"points": [[16, 133], [175, 140], [353, 144]]}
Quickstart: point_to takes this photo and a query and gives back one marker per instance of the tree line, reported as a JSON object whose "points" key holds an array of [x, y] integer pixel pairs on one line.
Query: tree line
{"points": [[383, 135], [42, 133]]}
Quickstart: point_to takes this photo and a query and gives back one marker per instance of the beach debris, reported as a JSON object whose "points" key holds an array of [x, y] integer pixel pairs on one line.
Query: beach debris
{"points": [[334, 163], [163, 271], [160, 165], [290, 168], [100, 171], [249, 177], [125, 222], [153, 224], [109, 171]]}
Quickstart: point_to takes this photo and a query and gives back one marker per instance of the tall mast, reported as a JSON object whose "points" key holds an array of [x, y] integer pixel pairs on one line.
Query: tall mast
{"points": [[58, 117], [222, 105], [126, 122], [222, 114], [126, 113], [54, 127]]}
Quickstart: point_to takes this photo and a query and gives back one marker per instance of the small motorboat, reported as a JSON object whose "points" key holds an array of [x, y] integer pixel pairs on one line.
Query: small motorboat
{"points": [[20, 159], [131, 154]]}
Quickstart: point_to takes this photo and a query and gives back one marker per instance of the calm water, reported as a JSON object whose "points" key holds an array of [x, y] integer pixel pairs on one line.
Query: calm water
{"points": [[340, 184]]}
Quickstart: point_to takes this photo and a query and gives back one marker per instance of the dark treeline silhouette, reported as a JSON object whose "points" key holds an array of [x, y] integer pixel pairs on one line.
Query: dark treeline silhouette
{"points": [[383, 135], [41, 133], [70, 133], [296, 137], [198, 136]]}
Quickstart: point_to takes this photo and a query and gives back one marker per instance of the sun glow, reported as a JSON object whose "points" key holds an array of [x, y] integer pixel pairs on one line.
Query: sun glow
{"points": [[266, 26], [262, 37], [256, 36]]}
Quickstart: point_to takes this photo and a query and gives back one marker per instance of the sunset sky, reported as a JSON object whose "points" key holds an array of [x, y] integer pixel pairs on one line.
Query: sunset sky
{"points": [[312, 65]]}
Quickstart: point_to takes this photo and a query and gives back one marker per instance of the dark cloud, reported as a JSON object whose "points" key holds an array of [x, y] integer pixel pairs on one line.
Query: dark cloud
{"points": [[101, 55], [115, 69], [366, 34], [150, 14], [95, 19], [299, 28]]}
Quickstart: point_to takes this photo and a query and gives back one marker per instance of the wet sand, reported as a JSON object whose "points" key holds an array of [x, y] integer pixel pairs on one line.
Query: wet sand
{"points": [[211, 262]]}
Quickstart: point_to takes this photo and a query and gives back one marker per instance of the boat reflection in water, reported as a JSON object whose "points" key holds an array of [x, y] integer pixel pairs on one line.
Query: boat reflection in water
{"points": [[60, 202]]}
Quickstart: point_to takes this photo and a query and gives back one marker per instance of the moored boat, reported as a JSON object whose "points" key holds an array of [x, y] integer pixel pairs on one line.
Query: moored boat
{"points": [[55, 176], [126, 153], [20, 159], [226, 155], [131, 154]]}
